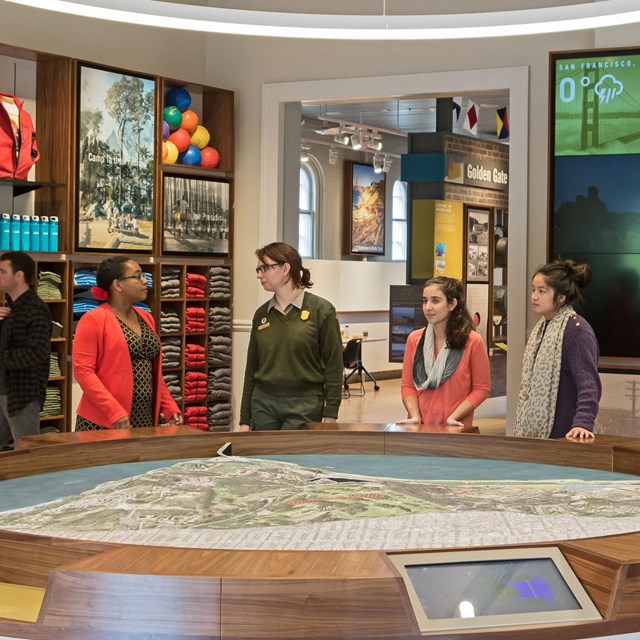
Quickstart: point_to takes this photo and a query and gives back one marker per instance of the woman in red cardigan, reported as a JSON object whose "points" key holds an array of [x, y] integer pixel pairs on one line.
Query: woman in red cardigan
{"points": [[116, 356]]}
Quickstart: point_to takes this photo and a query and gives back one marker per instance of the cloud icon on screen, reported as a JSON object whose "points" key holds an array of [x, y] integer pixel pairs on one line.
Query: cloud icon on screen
{"points": [[608, 88]]}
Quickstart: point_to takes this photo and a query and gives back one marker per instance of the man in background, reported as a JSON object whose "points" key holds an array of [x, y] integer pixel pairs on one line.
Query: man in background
{"points": [[25, 350]]}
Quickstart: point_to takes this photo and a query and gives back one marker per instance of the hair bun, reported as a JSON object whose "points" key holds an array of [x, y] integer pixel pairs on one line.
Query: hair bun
{"points": [[580, 272]]}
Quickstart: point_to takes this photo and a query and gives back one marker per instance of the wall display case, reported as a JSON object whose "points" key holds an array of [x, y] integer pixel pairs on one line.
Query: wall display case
{"points": [[76, 136]]}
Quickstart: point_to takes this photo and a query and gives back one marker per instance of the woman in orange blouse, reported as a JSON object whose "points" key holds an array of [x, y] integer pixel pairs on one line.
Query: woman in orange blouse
{"points": [[117, 359], [445, 372]]}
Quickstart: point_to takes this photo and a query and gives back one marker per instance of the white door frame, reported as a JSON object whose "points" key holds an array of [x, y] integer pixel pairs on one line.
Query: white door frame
{"points": [[514, 79]]}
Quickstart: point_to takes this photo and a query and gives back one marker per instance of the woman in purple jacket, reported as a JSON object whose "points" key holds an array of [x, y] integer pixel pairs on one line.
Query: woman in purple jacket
{"points": [[560, 387]]}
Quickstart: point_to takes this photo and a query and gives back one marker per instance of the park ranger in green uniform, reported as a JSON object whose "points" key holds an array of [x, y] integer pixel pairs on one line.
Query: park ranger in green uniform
{"points": [[294, 363]]}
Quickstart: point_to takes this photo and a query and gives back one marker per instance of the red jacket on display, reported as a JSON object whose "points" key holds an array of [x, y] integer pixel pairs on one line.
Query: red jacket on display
{"points": [[16, 156]]}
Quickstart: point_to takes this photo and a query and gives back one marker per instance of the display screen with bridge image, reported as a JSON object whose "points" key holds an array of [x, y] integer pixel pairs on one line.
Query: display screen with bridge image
{"points": [[595, 212]]}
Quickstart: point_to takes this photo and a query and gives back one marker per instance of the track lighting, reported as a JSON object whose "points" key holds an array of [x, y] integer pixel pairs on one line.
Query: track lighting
{"points": [[386, 164], [378, 163], [304, 155], [374, 140], [333, 155], [356, 141], [341, 137]]}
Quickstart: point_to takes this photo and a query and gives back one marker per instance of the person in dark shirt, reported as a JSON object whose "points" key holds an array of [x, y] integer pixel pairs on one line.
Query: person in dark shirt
{"points": [[25, 350], [560, 387]]}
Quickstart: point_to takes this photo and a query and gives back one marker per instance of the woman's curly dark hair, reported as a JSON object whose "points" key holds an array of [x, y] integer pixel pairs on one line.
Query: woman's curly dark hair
{"points": [[459, 323]]}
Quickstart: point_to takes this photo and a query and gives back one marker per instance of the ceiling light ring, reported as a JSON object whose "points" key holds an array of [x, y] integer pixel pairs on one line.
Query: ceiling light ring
{"points": [[540, 20]]}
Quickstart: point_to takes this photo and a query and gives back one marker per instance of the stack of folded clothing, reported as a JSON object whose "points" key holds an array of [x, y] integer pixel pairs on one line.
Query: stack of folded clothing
{"points": [[83, 302], [170, 282], [195, 386], [219, 417], [56, 329], [52, 402], [219, 351], [172, 380], [219, 319], [49, 285], [195, 320], [149, 278], [194, 356], [196, 417], [85, 277], [196, 285], [219, 283], [54, 366], [169, 321], [171, 352], [219, 384]]}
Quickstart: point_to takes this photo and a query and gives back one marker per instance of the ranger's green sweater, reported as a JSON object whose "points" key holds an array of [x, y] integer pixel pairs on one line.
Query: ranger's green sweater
{"points": [[299, 353]]}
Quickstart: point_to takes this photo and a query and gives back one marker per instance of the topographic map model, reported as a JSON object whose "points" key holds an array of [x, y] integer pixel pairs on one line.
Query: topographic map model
{"points": [[247, 503]]}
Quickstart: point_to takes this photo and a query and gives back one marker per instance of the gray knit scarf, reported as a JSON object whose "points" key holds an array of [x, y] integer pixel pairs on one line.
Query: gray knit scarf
{"points": [[430, 372]]}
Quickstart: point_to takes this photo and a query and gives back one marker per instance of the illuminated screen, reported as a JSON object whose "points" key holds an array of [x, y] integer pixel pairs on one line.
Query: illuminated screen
{"points": [[485, 588], [491, 588], [595, 199]]}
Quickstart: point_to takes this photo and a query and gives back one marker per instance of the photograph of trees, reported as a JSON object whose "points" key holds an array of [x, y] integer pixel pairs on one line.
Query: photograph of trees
{"points": [[115, 161]]}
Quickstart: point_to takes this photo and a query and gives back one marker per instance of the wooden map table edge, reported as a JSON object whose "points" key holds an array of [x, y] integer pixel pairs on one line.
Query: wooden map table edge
{"points": [[100, 591]]}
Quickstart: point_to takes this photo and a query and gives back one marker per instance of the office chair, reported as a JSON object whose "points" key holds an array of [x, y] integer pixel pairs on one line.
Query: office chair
{"points": [[352, 359]]}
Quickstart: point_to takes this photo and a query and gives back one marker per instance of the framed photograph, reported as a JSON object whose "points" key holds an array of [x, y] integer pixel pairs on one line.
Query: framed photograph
{"points": [[116, 146], [477, 245], [364, 207], [195, 216]]}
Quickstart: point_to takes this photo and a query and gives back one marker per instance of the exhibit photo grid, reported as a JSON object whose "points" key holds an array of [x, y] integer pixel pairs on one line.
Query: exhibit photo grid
{"points": [[116, 134], [477, 245]]}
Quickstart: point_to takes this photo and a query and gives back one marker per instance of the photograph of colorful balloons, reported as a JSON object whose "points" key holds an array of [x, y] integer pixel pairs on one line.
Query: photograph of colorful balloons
{"points": [[185, 140], [195, 216]]}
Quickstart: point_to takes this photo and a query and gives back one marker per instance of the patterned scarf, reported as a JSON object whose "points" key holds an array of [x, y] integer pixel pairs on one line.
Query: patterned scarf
{"points": [[430, 372], [541, 377]]}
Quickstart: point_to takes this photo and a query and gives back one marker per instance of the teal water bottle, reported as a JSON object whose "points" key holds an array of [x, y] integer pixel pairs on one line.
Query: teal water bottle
{"points": [[15, 232], [25, 233], [53, 233], [44, 233], [5, 232], [35, 233]]}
